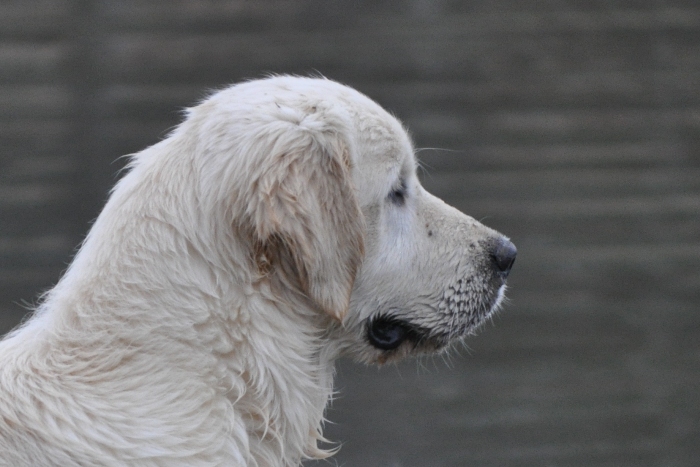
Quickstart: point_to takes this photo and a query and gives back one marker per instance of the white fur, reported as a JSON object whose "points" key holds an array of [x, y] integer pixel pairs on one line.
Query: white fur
{"points": [[235, 261]]}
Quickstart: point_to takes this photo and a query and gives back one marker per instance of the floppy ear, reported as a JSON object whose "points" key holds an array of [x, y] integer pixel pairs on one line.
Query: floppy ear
{"points": [[306, 214]]}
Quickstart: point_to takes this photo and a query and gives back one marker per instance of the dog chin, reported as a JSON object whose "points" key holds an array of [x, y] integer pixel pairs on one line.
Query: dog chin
{"points": [[498, 301], [391, 338]]}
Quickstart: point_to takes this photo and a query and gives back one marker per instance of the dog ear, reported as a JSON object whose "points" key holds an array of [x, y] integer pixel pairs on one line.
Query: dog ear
{"points": [[307, 215]]}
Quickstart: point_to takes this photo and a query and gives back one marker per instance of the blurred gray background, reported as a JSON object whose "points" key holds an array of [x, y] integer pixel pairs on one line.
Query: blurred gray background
{"points": [[571, 126]]}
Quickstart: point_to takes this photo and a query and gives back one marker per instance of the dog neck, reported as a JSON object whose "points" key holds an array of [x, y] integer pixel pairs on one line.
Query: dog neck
{"points": [[261, 374]]}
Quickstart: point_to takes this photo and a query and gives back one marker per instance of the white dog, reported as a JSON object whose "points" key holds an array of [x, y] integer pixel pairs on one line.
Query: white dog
{"points": [[280, 226]]}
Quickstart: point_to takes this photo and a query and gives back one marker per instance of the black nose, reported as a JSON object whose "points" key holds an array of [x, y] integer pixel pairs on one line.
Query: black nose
{"points": [[503, 256]]}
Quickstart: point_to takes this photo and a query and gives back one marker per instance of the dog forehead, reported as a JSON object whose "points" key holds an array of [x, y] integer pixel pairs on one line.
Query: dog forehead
{"points": [[379, 146]]}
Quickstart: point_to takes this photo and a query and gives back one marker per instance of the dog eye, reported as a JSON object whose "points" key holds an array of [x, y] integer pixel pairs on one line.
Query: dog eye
{"points": [[398, 194]]}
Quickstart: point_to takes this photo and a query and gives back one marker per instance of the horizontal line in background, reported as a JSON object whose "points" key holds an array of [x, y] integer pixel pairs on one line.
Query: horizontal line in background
{"points": [[545, 21], [640, 253], [667, 311], [403, 56], [188, 16], [547, 183], [37, 101], [34, 194], [604, 88], [40, 276], [555, 126], [36, 167], [684, 204], [566, 193], [548, 157], [44, 244], [42, 129]]}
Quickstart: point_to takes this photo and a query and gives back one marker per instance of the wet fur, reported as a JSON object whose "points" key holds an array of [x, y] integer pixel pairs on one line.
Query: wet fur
{"points": [[238, 258]]}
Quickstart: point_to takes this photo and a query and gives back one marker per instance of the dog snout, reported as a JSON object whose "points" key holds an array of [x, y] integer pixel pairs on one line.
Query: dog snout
{"points": [[503, 255]]}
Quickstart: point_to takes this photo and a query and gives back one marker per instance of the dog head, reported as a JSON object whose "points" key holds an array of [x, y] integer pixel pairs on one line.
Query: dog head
{"points": [[325, 187]]}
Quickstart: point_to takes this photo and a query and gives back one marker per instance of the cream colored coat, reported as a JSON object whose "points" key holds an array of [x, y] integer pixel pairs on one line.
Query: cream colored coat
{"points": [[234, 262]]}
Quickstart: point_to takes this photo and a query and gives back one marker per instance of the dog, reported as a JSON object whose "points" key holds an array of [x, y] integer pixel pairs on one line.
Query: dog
{"points": [[280, 226]]}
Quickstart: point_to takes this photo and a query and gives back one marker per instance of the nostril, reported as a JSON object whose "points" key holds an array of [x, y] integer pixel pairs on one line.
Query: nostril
{"points": [[504, 256]]}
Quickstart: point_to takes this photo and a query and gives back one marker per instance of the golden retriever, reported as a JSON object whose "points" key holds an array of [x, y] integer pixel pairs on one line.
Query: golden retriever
{"points": [[280, 226]]}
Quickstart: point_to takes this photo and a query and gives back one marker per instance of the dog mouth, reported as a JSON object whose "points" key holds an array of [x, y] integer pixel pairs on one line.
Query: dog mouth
{"points": [[454, 318], [388, 333]]}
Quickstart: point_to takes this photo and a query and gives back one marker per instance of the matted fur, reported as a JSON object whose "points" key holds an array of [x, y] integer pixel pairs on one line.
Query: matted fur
{"points": [[233, 264]]}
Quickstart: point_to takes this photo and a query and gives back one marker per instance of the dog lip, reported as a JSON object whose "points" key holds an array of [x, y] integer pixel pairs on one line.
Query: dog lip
{"points": [[386, 332]]}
